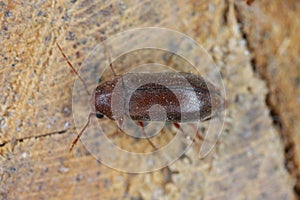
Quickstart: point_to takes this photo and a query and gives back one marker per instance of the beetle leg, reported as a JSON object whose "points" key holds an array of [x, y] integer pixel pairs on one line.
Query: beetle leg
{"points": [[208, 118], [179, 127], [198, 135], [119, 125], [107, 54], [144, 133]]}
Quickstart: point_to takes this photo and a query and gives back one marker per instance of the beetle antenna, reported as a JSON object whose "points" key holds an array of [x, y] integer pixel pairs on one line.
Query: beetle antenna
{"points": [[107, 54], [169, 60], [82, 130], [145, 135], [73, 69]]}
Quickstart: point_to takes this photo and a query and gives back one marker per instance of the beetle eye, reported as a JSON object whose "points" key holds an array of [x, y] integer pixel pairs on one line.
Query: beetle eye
{"points": [[99, 115]]}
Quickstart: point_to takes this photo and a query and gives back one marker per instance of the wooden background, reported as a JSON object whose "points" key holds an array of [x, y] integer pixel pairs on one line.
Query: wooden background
{"points": [[257, 48]]}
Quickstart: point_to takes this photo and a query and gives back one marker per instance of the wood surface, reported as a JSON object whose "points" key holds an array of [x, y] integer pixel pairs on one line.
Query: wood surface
{"points": [[256, 48]]}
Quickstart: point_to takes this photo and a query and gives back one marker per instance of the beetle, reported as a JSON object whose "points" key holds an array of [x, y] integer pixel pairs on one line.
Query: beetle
{"points": [[177, 98], [186, 98]]}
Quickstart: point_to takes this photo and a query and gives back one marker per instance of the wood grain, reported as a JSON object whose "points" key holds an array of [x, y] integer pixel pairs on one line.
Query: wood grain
{"points": [[36, 122]]}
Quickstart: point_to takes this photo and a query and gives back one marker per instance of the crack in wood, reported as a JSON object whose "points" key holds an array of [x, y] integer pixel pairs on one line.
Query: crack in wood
{"points": [[286, 139], [33, 137]]}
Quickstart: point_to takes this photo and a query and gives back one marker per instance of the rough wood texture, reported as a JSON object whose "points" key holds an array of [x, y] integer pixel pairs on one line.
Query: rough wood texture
{"points": [[274, 41], [37, 128]]}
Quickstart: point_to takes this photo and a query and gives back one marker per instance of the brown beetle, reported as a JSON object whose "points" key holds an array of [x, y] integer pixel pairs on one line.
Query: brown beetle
{"points": [[187, 97]]}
